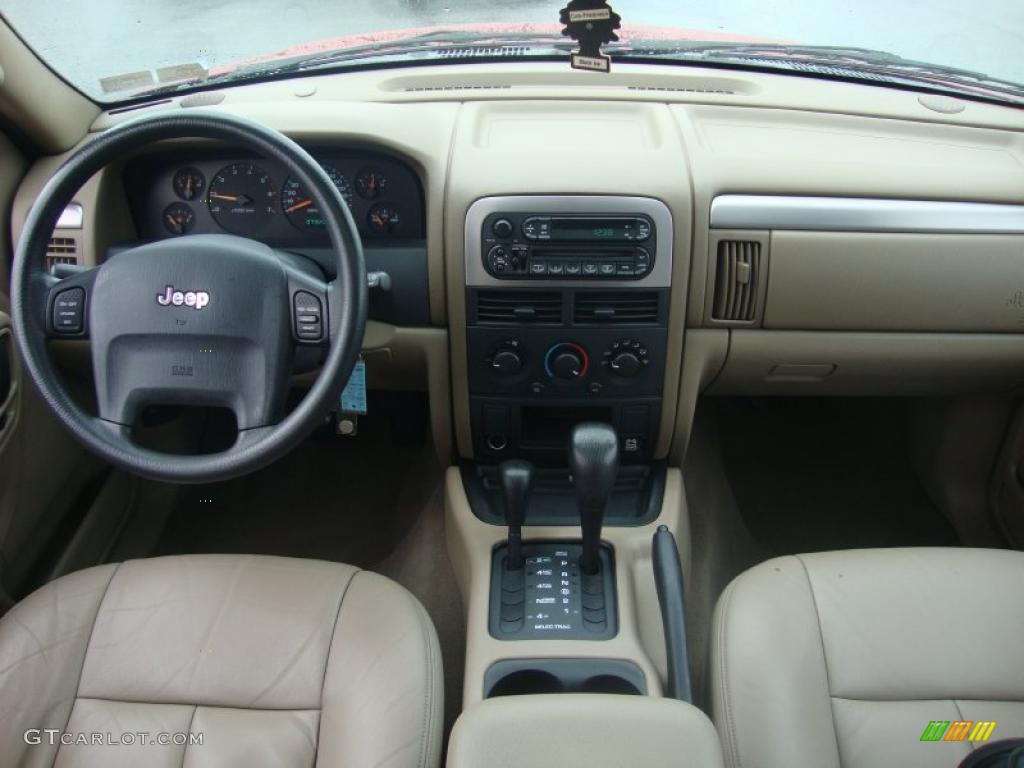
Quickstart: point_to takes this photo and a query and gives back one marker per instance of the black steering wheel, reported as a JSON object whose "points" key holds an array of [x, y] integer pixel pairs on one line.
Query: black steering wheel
{"points": [[212, 320]]}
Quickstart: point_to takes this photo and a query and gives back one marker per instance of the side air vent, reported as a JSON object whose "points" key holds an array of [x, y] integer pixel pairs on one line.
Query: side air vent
{"points": [[519, 307], [619, 307], [61, 250], [737, 281]]}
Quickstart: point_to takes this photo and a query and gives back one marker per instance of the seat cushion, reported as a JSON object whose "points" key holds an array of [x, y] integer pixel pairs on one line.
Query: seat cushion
{"points": [[272, 661], [845, 658]]}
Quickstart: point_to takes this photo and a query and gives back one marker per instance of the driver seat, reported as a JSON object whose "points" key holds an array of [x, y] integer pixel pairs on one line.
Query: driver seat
{"points": [[274, 661]]}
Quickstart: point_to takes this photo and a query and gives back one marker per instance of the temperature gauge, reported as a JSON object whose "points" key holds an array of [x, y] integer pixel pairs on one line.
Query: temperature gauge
{"points": [[383, 219], [371, 184], [189, 183], [179, 219]]}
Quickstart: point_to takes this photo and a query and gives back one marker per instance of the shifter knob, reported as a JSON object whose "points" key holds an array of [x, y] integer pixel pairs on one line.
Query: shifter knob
{"points": [[516, 479], [594, 462]]}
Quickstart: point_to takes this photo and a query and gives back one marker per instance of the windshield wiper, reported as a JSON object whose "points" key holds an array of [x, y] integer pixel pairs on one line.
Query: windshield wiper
{"points": [[848, 62]]}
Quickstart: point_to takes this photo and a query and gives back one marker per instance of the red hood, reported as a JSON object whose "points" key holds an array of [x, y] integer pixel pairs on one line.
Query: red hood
{"points": [[627, 33]]}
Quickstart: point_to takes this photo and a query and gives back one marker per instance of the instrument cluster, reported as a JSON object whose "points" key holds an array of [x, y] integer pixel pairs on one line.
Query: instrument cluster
{"points": [[201, 192]]}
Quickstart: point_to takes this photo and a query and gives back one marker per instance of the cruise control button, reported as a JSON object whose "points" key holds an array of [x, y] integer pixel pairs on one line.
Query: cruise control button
{"points": [[68, 311]]}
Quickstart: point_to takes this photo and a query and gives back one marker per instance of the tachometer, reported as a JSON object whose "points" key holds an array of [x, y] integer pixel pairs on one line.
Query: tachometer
{"points": [[299, 206], [242, 198]]}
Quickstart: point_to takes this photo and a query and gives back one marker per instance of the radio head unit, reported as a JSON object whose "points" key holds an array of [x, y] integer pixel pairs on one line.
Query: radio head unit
{"points": [[569, 240], [529, 245]]}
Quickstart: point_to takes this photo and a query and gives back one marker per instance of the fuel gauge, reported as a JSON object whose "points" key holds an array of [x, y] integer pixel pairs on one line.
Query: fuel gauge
{"points": [[179, 219], [383, 219]]}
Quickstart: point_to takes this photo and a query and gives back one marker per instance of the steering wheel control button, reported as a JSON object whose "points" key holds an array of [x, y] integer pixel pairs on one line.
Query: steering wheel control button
{"points": [[308, 317], [69, 311]]}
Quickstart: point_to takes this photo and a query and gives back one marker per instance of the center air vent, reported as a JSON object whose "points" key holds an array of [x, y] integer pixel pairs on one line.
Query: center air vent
{"points": [[618, 307], [519, 307], [737, 281]]}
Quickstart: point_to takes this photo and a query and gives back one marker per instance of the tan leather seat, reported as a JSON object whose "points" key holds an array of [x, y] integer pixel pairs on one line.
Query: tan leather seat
{"points": [[844, 658], [275, 661]]}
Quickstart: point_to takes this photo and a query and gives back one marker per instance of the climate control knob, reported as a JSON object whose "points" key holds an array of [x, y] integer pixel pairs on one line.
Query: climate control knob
{"points": [[624, 364], [506, 358], [625, 358], [507, 362], [566, 361]]}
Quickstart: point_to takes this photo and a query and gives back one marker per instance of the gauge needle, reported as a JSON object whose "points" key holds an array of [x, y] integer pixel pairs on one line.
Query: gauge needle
{"points": [[232, 198], [172, 221], [299, 205]]}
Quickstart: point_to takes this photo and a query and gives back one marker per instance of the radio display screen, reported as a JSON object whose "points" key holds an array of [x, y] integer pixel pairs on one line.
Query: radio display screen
{"points": [[593, 229]]}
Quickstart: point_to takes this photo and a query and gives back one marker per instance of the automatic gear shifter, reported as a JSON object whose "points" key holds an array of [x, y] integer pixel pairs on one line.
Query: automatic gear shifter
{"points": [[594, 462], [516, 479]]}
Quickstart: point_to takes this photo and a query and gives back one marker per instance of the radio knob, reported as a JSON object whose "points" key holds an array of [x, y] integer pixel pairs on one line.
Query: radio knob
{"points": [[502, 228], [567, 361], [507, 362], [625, 364]]}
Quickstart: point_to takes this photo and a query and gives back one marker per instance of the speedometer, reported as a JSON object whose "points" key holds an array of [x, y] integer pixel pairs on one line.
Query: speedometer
{"points": [[299, 206], [242, 198]]}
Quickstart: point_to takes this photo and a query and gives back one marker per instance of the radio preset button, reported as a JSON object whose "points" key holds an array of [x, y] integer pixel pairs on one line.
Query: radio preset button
{"points": [[606, 268], [556, 268], [590, 268], [538, 268], [572, 268]]}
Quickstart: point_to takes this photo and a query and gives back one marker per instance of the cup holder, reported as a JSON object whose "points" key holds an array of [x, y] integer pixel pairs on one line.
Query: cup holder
{"points": [[517, 677], [610, 684], [525, 681]]}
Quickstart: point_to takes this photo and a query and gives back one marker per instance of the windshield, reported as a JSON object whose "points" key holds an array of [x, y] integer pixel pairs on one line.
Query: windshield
{"points": [[114, 50]]}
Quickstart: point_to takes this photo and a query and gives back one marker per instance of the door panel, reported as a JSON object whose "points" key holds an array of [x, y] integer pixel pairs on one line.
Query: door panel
{"points": [[44, 474]]}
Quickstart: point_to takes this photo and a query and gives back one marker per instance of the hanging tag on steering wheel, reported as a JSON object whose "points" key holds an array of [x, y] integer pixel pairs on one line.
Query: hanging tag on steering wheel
{"points": [[591, 23]]}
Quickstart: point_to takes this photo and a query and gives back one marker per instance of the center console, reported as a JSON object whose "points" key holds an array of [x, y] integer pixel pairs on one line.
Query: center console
{"points": [[553, 523], [567, 311]]}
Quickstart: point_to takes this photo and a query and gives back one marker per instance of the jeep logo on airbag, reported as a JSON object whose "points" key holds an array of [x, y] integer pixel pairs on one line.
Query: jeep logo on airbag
{"points": [[194, 299]]}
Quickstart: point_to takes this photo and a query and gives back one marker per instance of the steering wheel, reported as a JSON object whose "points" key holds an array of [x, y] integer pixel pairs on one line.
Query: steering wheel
{"points": [[212, 320]]}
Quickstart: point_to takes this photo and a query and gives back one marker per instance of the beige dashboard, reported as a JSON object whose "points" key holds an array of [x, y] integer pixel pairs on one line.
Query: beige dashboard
{"points": [[851, 308]]}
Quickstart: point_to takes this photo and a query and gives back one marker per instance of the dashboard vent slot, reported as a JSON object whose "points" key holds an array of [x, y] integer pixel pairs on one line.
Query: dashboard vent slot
{"points": [[736, 282], [490, 51], [61, 250], [619, 307], [668, 89], [453, 87], [519, 307]]}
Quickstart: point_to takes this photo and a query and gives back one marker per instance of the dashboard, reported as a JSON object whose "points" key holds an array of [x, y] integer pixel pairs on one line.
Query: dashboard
{"points": [[205, 192], [189, 191]]}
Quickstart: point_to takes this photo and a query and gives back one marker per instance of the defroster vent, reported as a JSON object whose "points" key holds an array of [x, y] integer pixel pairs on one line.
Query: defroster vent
{"points": [[736, 282], [618, 307], [519, 307]]}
